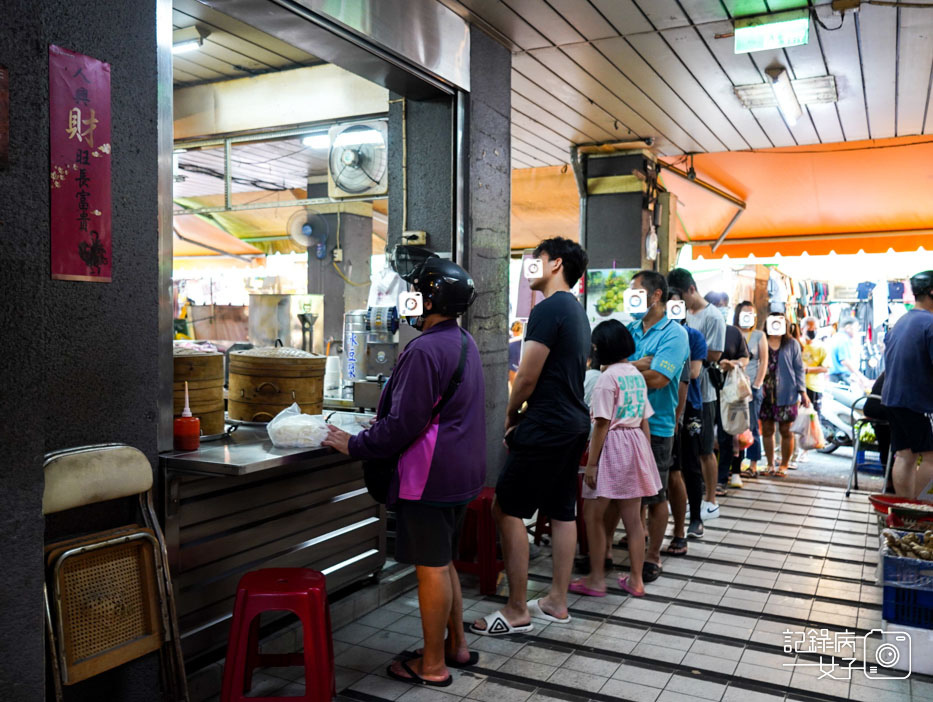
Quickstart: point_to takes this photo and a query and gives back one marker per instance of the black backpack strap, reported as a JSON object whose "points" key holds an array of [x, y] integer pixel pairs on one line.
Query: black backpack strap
{"points": [[457, 376]]}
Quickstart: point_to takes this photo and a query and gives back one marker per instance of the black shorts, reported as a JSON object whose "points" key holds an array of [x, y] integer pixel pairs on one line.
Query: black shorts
{"points": [[537, 476], [427, 535], [910, 430], [708, 434], [662, 447]]}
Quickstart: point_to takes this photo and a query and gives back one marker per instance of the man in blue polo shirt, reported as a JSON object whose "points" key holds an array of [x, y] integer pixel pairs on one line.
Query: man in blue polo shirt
{"points": [[661, 350]]}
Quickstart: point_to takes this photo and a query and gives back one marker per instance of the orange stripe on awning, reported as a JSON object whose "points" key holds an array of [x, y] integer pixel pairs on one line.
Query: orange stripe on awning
{"points": [[817, 244]]}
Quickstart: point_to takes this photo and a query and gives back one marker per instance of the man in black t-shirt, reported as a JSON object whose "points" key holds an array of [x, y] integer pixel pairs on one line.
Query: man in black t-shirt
{"points": [[545, 441]]}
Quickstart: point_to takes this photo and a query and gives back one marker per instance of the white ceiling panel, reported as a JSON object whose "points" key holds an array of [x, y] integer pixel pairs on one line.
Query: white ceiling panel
{"points": [[914, 61], [843, 60], [877, 32]]}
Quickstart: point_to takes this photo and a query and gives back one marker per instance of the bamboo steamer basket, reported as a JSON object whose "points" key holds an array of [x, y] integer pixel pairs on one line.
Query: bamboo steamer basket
{"points": [[266, 380], [204, 372]]}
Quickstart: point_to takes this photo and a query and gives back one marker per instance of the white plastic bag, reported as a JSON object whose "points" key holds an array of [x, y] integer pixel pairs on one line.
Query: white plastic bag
{"points": [[735, 417], [807, 427], [292, 429], [736, 388]]}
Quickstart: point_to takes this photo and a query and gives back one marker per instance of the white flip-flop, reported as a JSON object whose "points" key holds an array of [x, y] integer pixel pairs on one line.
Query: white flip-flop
{"points": [[537, 613], [498, 625]]}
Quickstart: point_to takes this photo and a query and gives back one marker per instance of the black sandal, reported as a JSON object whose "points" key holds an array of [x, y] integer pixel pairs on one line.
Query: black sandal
{"points": [[416, 679], [449, 660], [650, 572], [677, 547]]}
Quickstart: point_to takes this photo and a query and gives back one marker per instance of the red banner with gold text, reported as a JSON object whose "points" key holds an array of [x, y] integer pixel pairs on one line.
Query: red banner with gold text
{"points": [[79, 140]]}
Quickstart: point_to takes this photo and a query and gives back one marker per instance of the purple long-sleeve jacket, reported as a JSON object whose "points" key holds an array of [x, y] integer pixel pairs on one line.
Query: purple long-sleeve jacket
{"points": [[443, 460]]}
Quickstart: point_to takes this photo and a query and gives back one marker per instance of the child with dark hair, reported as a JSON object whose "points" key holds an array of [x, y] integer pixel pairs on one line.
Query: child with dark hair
{"points": [[621, 465]]}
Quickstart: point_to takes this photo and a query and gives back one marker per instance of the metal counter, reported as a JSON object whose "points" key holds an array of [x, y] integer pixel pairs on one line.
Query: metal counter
{"points": [[240, 504]]}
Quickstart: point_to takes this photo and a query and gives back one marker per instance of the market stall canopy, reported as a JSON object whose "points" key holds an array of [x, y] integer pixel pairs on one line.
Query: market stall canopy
{"points": [[846, 197], [849, 197], [195, 236]]}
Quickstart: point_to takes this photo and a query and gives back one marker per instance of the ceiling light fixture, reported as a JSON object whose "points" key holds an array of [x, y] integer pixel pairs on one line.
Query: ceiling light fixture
{"points": [[809, 91], [784, 94], [188, 39], [774, 31]]}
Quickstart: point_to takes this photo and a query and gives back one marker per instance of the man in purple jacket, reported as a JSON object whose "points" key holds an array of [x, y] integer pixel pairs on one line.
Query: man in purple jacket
{"points": [[441, 467]]}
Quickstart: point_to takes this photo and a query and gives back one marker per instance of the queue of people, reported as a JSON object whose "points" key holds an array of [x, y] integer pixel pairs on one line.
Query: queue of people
{"points": [[635, 408]]}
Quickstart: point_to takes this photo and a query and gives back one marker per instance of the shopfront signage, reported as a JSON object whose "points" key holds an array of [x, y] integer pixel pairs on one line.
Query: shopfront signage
{"points": [[4, 118], [79, 146]]}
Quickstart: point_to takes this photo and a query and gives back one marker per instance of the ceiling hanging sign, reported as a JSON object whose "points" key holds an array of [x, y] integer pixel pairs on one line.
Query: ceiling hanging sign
{"points": [[774, 31], [79, 148]]}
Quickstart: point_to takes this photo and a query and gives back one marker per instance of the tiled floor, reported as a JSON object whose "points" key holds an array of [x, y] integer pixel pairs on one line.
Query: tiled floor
{"points": [[782, 557]]}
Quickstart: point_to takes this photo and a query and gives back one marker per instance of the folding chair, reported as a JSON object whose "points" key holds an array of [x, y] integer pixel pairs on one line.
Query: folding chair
{"points": [[857, 425], [108, 595]]}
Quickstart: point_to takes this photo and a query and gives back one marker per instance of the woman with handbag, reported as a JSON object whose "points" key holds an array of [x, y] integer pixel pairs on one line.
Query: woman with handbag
{"points": [[784, 388], [425, 455]]}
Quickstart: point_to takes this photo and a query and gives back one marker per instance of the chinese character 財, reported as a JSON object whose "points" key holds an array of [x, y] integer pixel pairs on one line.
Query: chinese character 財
{"points": [[75, 121]]}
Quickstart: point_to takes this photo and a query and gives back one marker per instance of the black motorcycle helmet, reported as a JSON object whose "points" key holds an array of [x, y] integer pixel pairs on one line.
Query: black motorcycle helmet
{"points": [[449, 288], [922, 284]]}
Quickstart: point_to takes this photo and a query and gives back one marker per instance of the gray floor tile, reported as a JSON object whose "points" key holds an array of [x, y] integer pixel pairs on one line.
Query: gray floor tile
{"points": [[709, 663], [540, 654], [775, 676], [810, 681], [671, 696], [737, 694], [633, 672], [391, 642], [346, 676], [363, 659], [696, 686], [406, 625], [659, 653], [626, 690], [379, 618], [501, 691], [527, 669], [656, 638], [491, 661], [381, 687], [578, 680], [428, 694], [354, 633], [493, 644], [584, 663]]}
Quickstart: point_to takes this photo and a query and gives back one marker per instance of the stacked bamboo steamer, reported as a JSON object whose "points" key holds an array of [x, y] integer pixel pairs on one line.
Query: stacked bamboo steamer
{"points": [[204, 373], [266, 380]]}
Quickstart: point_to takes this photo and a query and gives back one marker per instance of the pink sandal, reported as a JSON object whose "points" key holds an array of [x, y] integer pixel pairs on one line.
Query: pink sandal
{"points": [[578, 587], [623, 583]]}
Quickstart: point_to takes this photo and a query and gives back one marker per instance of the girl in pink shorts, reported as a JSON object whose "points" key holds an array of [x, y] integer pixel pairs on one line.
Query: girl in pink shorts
{"points": [[621, 465]]}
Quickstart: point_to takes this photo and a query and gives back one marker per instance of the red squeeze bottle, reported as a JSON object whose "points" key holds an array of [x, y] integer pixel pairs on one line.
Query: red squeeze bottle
{"points": [[186, 429]]}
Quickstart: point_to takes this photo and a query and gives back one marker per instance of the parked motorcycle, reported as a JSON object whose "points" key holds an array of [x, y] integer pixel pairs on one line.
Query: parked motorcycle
{"points": [[837, 415]]}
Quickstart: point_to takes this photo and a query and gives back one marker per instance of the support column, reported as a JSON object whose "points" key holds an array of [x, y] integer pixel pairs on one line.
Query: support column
{"points": [[488, 241]]}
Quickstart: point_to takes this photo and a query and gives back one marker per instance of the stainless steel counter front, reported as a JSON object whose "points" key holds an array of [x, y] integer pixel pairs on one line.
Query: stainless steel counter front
{"points": [[240, 504]]}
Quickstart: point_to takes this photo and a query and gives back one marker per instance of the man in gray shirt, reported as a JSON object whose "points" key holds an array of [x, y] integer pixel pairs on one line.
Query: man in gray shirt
{"points": [[707, 320]]}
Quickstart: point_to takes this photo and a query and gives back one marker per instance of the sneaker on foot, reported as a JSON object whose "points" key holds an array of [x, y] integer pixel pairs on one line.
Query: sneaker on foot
{"points": [[735, 481], [695, 530], [709, 510]]}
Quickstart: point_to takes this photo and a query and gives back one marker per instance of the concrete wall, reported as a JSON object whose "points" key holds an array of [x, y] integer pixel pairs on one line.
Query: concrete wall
{"points": [[487, 245], [80, 359], [356, 240]]}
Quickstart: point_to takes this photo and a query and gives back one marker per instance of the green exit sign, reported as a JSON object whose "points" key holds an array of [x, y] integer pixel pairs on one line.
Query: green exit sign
{"points": [[774, 31]]}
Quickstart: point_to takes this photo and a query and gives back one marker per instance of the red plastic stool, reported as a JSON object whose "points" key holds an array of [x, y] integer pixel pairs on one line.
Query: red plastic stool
{"points": [[297, 590], [483, 561]]}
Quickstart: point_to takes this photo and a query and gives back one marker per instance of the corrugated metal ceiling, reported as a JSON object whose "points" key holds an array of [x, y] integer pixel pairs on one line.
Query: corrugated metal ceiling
{"points": [[231, 50], [597, 70]]}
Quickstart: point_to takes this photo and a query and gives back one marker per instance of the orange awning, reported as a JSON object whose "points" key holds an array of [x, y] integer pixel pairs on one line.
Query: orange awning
{"points": [[870, 196]]}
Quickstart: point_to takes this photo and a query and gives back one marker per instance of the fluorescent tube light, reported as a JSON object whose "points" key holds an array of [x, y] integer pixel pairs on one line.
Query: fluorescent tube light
{"points": [[820, 90], [188, 39], [784, 94], [319, 141], [774, 31], [186, 47]]}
